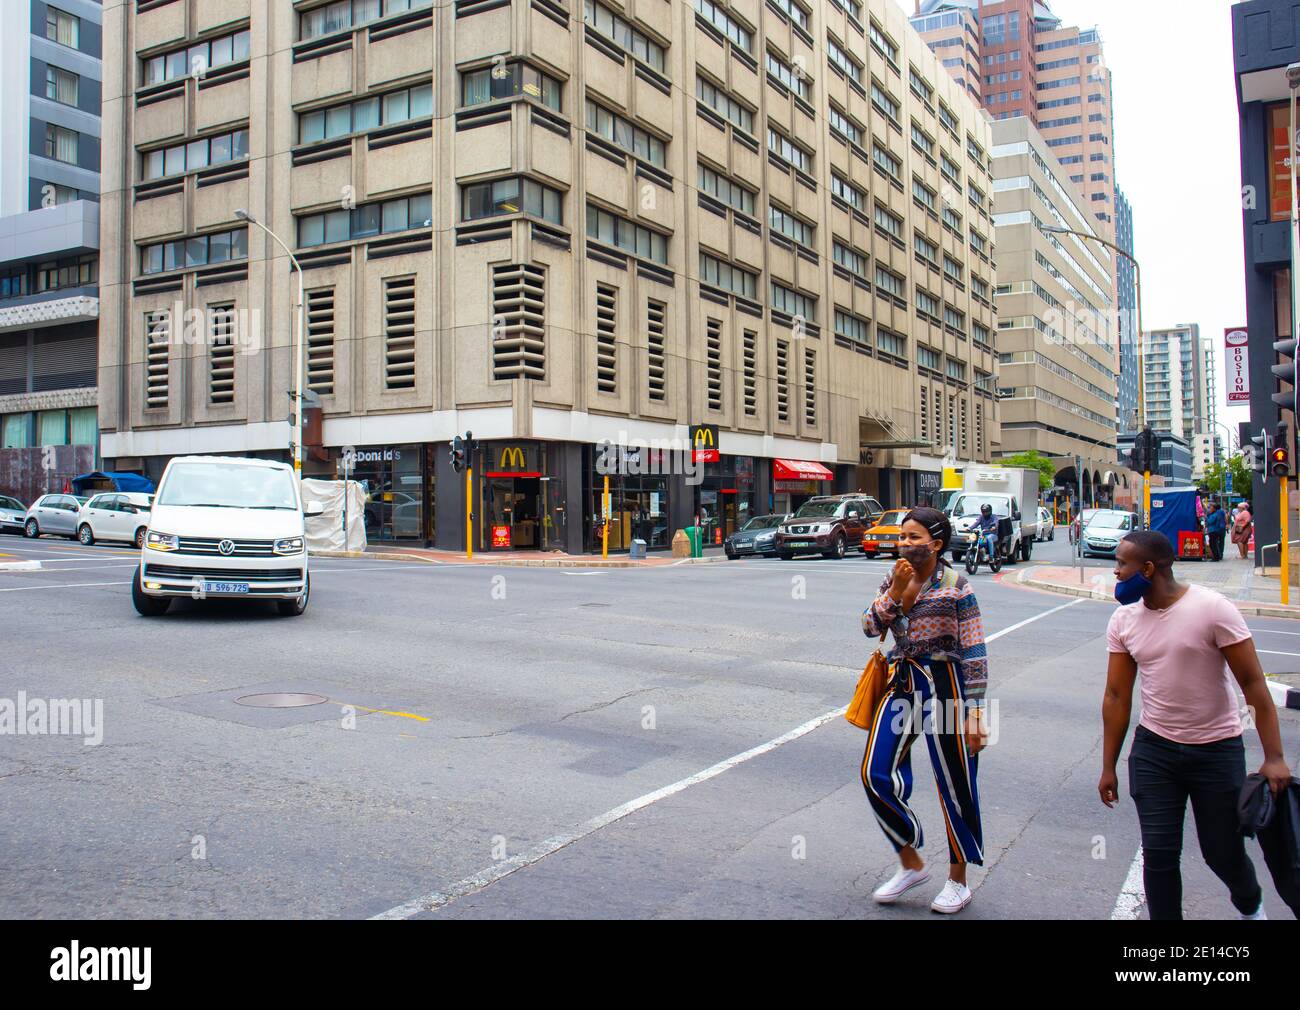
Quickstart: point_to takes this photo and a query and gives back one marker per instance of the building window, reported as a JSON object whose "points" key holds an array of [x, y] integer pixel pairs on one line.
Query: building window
{"points": [[62, 27], [513, 80], [793, 303], [721, 19], [852, 328], [181, 158], [511, 196], [188, 253], [720, 274], [839, 58], [783, 147], [889, 223], [622, 133], [889, 164], [784, 223], [622, 34], [366, 114], [366, 221], [724, 189], [197, 59], [792, 80], [891, 343], [849, 193], [623, 234], [62, 86], [62, 144], [723, 104], [344, 14], [886, 103]]}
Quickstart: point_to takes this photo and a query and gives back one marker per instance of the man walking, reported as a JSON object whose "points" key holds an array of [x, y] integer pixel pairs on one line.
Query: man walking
{"points": [[1216, 528], [1188, 744]]}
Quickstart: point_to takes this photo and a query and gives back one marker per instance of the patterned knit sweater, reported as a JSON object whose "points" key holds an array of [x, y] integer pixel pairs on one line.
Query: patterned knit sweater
{"points": [[944, 624]]}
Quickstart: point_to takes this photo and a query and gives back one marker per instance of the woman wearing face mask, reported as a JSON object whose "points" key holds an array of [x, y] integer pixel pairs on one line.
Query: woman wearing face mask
{"points": [[1242, 525], [938, 668]]}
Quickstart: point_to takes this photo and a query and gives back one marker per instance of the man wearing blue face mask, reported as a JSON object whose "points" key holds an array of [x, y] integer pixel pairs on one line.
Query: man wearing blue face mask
{"points": [[1189, 643]]}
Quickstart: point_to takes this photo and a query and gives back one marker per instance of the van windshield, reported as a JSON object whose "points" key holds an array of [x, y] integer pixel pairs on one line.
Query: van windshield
{"points": [[969, 505], [228, 485]]}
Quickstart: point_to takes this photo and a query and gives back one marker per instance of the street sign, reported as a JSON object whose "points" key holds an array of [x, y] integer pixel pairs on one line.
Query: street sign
{"points": [[1227, 482], [1237, 372]]}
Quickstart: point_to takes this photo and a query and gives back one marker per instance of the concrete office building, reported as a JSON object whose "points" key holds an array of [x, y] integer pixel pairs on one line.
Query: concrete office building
{"points": [[556, 224], [1055, 365], [49, 237], [1126, 401]]}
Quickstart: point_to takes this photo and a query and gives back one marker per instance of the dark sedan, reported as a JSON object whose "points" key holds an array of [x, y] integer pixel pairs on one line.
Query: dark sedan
{"points": [[758, 536]]}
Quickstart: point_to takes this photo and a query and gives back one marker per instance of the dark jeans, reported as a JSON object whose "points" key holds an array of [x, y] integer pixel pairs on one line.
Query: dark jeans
{"points": [[1162, 776], [1216, 545]]}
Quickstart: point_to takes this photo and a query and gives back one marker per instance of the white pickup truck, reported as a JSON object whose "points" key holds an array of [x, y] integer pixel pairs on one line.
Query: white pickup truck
{"points": [[1013, 493]]}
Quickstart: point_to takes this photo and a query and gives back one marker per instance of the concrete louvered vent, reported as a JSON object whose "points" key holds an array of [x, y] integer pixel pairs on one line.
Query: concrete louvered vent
{"points": [[320, 341], [606, 340], [221, 354], [518, 321], [657, 352], [399, 333], [157, 338]]}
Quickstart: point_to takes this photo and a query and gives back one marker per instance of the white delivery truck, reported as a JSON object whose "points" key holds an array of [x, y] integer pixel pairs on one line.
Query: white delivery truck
{"points": [[1013, 494]]}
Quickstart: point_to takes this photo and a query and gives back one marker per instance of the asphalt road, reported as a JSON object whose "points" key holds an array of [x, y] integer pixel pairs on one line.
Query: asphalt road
{"points": [[652, 743]]}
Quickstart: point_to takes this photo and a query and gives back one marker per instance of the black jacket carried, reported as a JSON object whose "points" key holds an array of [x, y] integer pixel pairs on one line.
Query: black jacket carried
{"points": [[1276, 822]]}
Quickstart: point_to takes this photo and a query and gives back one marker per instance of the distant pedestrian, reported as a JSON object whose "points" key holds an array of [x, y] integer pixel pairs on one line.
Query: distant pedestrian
{"points": [[1189, 643], [1216, 527], [1242, 528], [938, 674]]}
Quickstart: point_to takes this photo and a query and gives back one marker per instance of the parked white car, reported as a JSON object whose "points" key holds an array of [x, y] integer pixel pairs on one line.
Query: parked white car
{"points": [[13, 514], [225, 528], [53, 513], [115, 515], [1046, 525]]}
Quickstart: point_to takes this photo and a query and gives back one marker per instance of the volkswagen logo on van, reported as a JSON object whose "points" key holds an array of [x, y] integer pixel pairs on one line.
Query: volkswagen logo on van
{"points": [[226, 547]]}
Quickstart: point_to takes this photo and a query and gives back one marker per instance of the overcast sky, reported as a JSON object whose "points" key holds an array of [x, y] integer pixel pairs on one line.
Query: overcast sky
{"points": [[1176, 157]]}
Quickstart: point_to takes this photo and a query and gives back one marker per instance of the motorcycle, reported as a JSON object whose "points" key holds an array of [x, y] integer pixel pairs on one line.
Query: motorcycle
{"points": [[984, 549]]}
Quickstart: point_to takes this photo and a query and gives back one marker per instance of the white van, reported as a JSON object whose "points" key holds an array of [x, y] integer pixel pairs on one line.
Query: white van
{"points": [[225, 528]]}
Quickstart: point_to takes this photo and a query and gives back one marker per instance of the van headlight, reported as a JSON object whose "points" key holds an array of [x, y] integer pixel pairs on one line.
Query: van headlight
{"points": [[162, 541], [293, 545]]}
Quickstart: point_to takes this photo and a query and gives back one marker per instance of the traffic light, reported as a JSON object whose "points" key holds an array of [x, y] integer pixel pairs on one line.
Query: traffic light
{"points": [[458, 454], [1257, 452], [1279, 457], [1143, 457], [1285, 370]]}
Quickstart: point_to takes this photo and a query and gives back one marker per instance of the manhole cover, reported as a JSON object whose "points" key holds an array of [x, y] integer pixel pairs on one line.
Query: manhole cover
{"points": [[281, 700]]}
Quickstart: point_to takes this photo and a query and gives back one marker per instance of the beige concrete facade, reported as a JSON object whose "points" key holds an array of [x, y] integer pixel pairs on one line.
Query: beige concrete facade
{"points": [[518, 325], [1056, 362]]}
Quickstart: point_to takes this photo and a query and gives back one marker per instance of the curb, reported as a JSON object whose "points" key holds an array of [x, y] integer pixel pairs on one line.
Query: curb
{"points": [[20, 566], [1284, 696], [566, 562], [1245, 606]]}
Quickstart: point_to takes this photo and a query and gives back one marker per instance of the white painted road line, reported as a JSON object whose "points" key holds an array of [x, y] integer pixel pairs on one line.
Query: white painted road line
{"points": [[1271, 652], [484, 878], [75, 585], [1132, 895]]}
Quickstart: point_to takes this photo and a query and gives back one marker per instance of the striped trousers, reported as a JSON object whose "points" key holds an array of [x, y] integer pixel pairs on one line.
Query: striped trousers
{"points": [[926, 698]]}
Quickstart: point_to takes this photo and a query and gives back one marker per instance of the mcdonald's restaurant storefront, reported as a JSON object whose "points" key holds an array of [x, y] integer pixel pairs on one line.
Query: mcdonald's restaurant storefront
{"points": [[522, 496]]}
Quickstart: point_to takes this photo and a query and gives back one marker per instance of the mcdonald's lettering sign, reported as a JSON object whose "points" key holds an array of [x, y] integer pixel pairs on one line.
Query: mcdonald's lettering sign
{"points": [[512, 460], [704, 443]]}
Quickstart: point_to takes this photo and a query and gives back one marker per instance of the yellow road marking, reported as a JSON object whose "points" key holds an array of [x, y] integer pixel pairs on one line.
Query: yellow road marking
{"points": [[383, 711]]}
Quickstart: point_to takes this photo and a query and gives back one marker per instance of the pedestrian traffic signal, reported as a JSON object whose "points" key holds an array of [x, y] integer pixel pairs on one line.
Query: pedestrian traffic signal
{"points": [[458, 454], [1285, 371], [1257, 452], [1279, 457]]}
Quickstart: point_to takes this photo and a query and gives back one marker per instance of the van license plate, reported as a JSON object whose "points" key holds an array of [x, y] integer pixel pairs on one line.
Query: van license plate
{"points": [[225, 588]]}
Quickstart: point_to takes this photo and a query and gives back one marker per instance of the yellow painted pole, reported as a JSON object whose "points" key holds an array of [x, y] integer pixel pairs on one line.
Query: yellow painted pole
{"points": [[604, 529], [1146, 499], [469, 512], [1283, 547]]}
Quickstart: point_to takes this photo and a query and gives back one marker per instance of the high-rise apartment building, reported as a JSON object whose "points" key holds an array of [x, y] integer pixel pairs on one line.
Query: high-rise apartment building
{"points": [[49, 237], [747, 245], [1126, 401], [1055, 364], [952, 31], [1180, 384]]}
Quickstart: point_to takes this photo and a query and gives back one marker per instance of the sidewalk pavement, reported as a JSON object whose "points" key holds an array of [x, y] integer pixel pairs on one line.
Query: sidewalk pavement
{"points": [[518, 559], [1254, 591]]}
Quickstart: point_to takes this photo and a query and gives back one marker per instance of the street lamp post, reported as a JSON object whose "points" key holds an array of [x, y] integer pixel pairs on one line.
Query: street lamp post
{"points": [[243, 215], [1142, 397]]}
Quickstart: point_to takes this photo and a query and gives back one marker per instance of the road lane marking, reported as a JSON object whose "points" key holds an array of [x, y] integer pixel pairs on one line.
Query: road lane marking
{"points": [[485, 878], [1271, 652], [1132, 895], [381, 711], [75, 585]]}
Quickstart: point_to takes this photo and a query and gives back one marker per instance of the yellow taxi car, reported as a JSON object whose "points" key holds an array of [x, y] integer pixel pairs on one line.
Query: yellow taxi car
{"points": [[882, 538]]}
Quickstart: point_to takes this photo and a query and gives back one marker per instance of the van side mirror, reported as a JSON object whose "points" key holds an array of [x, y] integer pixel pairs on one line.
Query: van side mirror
{"points": [[313, 508]]}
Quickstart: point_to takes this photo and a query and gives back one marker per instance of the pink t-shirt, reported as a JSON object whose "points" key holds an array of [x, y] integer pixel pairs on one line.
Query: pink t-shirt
{"points": [[1188, 692]]}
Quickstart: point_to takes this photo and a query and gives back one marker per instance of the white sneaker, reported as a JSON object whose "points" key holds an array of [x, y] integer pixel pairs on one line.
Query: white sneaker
{"points": [[952, 899], [1258, 914], [899, 884]]}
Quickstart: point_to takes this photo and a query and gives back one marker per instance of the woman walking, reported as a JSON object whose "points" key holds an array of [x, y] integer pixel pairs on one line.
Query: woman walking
{"points": [[1242, 527], [938, 674]]}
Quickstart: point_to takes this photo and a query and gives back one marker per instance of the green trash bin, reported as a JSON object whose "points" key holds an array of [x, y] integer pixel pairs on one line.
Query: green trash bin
{"points": [[693, 533]]}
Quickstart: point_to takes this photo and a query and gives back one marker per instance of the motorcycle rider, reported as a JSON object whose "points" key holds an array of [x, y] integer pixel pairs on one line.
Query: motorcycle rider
{"points": [[987, 523]]}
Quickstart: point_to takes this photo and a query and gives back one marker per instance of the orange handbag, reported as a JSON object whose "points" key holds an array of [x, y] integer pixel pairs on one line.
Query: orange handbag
{"points": [[872, 686]]}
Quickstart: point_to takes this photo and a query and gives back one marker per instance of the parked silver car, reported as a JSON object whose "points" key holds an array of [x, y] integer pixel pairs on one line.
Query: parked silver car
{"points": [[13, 514], [115, 515], [55, 514]]}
